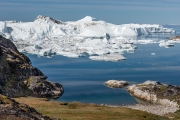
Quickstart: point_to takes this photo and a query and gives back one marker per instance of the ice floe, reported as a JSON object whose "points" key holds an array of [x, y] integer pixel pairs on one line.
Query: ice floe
{"points": [[165, 44], [108, 57], [47, 36]]}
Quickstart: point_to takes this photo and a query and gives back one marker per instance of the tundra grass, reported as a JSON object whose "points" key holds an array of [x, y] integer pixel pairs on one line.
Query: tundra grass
{"points": [[81, 111]]}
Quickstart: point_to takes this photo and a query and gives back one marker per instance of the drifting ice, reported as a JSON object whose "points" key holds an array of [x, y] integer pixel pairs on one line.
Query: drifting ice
{"points": [[47, 36]]}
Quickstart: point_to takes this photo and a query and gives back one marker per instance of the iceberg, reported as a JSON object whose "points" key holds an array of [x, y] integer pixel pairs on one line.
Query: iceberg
{"points": [[87, 18], [166, 44], [108, 57], [46, 36]]}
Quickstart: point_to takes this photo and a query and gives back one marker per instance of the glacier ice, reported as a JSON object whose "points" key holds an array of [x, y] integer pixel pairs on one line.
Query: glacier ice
{"points": [[165, 44], [46, 36]]}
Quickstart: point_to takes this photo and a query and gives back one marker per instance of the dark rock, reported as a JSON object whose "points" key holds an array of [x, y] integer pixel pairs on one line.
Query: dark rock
{"points": [[7, 43], [43, 88], [15, 68], [12, 110], [155, 89]]}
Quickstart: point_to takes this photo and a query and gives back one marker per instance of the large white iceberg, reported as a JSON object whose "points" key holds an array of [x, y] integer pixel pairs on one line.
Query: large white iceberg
{"points": [[47, 36]]}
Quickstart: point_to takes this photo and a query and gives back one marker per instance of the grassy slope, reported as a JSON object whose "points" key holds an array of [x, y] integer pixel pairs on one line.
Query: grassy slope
{"points": [[80, 111]]}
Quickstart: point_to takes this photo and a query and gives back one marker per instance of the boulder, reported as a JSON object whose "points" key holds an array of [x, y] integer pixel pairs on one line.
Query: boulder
{"points": [[43, 88], [116, 83]]}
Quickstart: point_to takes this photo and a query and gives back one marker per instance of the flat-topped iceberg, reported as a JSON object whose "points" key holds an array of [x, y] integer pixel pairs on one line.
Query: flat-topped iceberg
{"points": [[47, 36], [108, 57]]}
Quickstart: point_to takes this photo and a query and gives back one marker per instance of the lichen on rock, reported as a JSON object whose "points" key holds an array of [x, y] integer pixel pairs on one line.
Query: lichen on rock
{"points": [[15, 68], [43, 88], [156, 92]]}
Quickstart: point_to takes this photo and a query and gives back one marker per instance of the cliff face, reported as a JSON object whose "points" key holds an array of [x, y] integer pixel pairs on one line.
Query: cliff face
{"points": [[19, 78]]}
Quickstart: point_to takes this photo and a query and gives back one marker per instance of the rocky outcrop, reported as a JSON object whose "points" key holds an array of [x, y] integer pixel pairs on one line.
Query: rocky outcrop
{"points": [[156, 92], [7, 43], [43, 88], [12, 110], [17, 75], [175, 38], [116, 83]]}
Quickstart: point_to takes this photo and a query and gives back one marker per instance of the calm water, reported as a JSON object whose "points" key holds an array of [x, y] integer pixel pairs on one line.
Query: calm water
{"points": [[83, 79]]}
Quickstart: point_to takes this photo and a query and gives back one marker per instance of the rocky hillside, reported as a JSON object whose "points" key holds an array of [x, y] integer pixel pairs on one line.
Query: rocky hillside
{"points": [[19, 78], [12, 110]]}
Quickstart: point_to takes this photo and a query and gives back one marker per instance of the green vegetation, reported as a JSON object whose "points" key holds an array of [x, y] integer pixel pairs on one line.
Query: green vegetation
{"points": [[163, 88], [80, 111]]}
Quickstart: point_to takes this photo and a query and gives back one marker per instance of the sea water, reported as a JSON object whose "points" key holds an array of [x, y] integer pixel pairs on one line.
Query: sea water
{"points": [[83, 79]]}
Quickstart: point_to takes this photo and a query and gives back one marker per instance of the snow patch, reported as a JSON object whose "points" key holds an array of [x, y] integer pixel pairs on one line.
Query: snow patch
{"points": [[87, 18]]}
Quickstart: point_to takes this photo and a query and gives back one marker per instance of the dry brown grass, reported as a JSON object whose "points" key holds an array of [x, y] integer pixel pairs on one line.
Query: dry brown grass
{"points": [[80, 111]]}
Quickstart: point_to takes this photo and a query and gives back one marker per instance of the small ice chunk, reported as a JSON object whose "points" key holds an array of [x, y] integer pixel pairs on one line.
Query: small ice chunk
{"points": [[146, 41], [153, 53]]}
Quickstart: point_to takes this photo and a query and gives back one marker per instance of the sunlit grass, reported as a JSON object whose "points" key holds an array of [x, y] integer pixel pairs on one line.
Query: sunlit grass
{"points": [[80, 111]]}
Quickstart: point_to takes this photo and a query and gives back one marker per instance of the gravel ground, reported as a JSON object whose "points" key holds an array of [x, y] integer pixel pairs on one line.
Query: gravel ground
{"points": [[155, 109]]}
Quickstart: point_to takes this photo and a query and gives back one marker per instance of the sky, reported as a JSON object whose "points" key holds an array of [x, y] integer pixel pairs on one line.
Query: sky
{"points": [[112, 11]]}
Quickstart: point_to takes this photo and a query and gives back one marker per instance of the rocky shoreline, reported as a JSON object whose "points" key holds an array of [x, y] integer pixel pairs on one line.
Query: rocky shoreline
{"points": [[152, 96], [18, 78], [162, 98], [156, 92]]}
